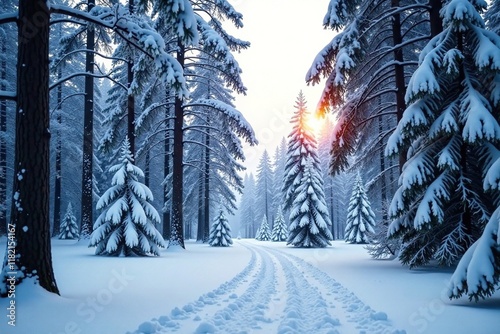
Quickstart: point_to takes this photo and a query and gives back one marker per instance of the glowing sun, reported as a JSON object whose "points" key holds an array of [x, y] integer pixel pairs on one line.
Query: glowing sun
{"points": [[315, 122]]}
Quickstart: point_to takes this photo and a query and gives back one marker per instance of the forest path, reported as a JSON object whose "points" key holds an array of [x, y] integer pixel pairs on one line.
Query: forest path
{"points": [[275, 292]]}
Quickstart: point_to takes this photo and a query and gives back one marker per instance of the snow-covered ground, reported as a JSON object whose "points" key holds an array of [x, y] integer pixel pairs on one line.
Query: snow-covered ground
{"points": [[251, 287]]}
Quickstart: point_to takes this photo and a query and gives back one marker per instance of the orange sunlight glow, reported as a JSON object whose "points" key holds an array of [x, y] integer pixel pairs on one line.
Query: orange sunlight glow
{"points": [[315, 121]]}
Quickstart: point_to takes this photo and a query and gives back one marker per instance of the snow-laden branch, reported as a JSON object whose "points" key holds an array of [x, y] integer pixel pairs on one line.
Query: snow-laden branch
{"points": [[87, 50], [8, 17], [137, 33], [79, 74], [58, 106], [233, 115], [8, 95]]}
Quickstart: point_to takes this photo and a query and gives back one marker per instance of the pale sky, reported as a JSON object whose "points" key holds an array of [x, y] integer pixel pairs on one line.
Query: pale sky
{"points": [[285, 37]]}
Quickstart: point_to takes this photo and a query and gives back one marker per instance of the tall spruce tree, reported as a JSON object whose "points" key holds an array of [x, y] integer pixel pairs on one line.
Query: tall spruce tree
{"points": [[248, 220], [450, 130], [360, 217], [279, 163], [265, 185], [301, 145], [478, 272]]}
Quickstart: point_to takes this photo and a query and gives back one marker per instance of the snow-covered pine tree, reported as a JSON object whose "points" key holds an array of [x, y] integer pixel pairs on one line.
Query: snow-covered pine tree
{"points": [[126, 225], [220, 233], [265, 185], [247, 207], [309, 220], [279, 163], [213, 148], [451, 131], [478, 272], [264, 232], [360, 216], [280, 230], [69, 228], [301, 145]]}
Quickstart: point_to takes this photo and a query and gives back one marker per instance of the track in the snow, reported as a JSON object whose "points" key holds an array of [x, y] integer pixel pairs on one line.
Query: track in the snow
{"points": [[275, 293]]}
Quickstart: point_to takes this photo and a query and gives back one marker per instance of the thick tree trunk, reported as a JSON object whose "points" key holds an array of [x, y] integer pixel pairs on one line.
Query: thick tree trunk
{"points": [[201, 220], [58, 168], [206, 196], [88, 138], [177, 224], [130, 110], [147, 168], [334, 233], [30, 221], [166, 171], [3, 143], [435, 19], [383, 184], [399, 73], [131, 98]]}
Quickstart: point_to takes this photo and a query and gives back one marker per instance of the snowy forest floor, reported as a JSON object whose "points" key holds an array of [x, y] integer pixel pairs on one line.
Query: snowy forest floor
{"points": [[251, 287]]}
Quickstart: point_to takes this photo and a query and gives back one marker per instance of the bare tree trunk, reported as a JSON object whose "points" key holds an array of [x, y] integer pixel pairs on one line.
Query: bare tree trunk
{"points": [[334, 234], [130, 97], [166, 172], [435, 19], [147, 168], [29, 227], [88, 138], [58, 168], [177, 224], [201, 219], [383, 185], [206, 196], [399, 73]]}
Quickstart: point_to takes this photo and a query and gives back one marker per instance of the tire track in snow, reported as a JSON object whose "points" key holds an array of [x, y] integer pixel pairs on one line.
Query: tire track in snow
{"points": [[247, 314], [276, 292], [306, 310], [354, 315], [190, 315]]}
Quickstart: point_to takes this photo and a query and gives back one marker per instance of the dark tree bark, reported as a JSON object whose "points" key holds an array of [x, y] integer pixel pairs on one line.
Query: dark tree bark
{"points": [[88, 138], [201, 219], [131, 110], [177, 224], [30, 221], [206, 195], [399, 73], [147, 168], [334, 233], [58, 168], [383, 184], [435, 19], [131, 98], [166, 171]]}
